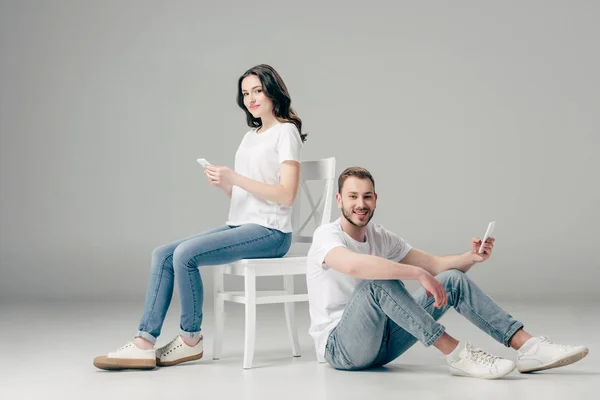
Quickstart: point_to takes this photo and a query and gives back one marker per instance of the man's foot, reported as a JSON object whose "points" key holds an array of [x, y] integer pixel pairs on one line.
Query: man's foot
{"points": [[176, 352], [127, 357], [470, 361], [539, 353]]}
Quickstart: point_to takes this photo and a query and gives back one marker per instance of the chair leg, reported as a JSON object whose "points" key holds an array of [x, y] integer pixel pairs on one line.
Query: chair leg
{"points": [[250, 328], [290, 315], [219, 306]]}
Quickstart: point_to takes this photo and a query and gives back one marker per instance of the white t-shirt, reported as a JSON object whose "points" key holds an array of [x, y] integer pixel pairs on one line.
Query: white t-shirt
{"points": [[329, 290], [259, 157]]}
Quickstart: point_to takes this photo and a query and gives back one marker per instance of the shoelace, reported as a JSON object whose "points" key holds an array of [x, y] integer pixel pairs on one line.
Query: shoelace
{"points": [[481, 356], [545, 340]]}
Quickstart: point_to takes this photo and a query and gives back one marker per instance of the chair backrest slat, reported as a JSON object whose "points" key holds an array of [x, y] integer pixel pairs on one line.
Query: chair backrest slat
{"points": [[320, 210]]}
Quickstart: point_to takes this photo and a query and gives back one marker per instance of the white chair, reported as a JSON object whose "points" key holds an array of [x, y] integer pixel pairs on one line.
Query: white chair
{"points": [[287, 266]]}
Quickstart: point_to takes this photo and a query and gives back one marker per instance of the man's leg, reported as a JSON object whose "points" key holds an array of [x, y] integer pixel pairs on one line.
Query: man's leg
{"points": [[469, 300], [382, 320], [357, 340]]}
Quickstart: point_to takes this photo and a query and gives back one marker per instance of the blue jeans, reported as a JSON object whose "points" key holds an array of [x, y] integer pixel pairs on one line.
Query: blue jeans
{"points": [[382, 320], [180, 261]]}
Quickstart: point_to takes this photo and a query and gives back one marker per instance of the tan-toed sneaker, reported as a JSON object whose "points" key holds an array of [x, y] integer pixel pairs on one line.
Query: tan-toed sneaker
{"points": [[127, 357], [176, 352]]}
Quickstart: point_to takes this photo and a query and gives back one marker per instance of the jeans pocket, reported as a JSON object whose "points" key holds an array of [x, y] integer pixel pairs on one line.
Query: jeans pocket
{"points": [[284, 246], [334, 355]]}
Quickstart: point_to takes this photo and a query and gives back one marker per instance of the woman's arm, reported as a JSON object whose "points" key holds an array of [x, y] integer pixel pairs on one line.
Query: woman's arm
{"points": [[283, 193]]}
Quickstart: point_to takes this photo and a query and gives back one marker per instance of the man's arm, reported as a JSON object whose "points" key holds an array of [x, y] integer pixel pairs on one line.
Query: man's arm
{"points": [[370, 267], [437, 264], [463, 262]]}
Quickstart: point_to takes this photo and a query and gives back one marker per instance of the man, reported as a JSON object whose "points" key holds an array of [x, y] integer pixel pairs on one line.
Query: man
{"points": [[362, 316]]}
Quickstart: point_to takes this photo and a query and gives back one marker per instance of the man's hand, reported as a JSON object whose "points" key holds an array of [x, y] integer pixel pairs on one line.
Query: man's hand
{"points": [[487, 249], [433, 288]]}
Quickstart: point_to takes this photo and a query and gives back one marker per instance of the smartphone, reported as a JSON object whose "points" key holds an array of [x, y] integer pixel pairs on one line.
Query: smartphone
{"points": [[488, 233], [203, 162]]}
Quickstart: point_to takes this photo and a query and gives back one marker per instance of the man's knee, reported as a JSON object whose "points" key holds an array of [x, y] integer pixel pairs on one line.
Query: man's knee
{"points": [[452, 275], [390, 285]]}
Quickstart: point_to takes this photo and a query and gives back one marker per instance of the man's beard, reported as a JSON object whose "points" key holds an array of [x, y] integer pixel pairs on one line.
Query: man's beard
{"points": [[348, 216]]}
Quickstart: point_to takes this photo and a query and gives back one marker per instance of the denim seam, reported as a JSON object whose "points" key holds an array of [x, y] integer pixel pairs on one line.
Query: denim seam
{"points": [[344, 317], [282, 243], [430, 338], [435, 336], [385, 341], [229, 247], [342, 353], [155, 292], [429, 302], [462, 302], [193, 294], [193, 259], [513, 329], [405, 313]]}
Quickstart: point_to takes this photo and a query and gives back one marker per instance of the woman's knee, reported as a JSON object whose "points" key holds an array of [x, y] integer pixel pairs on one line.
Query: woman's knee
{"points": [[160, 256], [184, 257]]}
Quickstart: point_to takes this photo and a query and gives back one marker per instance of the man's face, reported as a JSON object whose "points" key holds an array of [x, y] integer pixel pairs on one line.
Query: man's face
{"points": [[357, 201]]}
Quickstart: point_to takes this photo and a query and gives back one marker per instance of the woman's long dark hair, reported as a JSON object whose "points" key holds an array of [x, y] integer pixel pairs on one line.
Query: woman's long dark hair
{"points": [[275, 90]]}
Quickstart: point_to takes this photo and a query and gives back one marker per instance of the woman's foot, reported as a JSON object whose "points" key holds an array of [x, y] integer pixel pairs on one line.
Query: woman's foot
{"points": [[178, 351], [142, 343], [129, 356]]}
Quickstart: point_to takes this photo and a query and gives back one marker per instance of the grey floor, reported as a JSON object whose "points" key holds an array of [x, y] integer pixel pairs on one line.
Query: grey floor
{"points": [[47, 351]]}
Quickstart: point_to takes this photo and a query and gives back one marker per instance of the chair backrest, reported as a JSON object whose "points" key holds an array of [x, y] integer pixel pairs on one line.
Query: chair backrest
{"points": [[320, 210]]}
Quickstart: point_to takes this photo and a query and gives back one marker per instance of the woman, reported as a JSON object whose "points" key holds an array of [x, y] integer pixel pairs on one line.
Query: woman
{"points": [[262, 189]]}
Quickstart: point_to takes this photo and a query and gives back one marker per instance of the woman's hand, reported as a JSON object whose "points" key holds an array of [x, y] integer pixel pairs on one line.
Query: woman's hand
{"points": [[221, 177]]}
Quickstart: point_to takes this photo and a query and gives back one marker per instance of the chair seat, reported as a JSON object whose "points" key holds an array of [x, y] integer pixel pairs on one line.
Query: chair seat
{"points": [[264, 297], [290, 264]]}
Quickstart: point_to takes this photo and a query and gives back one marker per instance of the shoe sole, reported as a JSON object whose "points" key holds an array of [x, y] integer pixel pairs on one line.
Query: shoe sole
{"points": [[114, 364], [179, 360], [558, 363], [458, 372]]}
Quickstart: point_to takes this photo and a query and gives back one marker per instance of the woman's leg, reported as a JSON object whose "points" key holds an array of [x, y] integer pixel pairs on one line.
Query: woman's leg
{"points": [[245, 241], [160, 288], [141, 354]]}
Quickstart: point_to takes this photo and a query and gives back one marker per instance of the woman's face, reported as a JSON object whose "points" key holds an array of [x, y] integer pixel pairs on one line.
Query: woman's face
{"points": [[255, 99]]}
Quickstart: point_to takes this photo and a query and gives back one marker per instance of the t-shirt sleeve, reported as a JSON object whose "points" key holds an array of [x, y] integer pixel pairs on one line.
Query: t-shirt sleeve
{"points": [[397, 247], [324, 240], [289, 144]]}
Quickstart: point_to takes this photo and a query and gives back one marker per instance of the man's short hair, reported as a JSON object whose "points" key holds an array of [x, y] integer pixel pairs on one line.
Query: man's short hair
{"points": [[358, 172]]}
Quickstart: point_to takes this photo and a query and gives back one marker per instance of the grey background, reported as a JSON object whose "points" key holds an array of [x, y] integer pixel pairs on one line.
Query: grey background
{"points": [[465, 112]]}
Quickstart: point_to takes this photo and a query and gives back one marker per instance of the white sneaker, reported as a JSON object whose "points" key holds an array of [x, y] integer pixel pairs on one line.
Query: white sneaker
{"points": [[476, 363], [539, 353], [176, 351], [127, 357]]}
